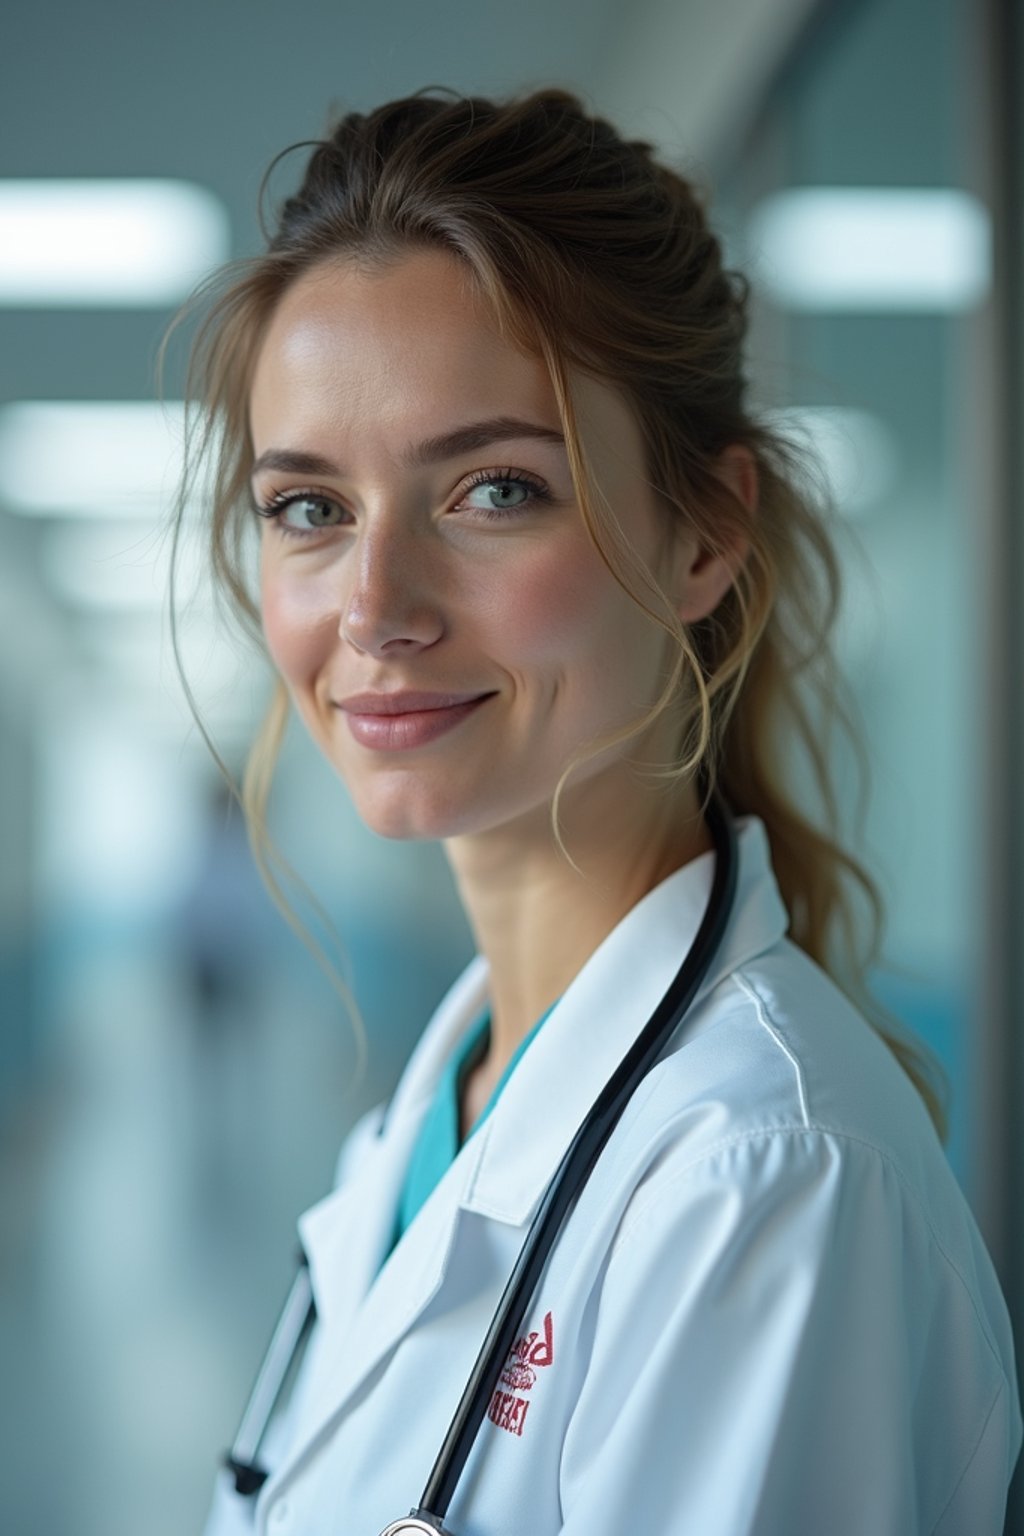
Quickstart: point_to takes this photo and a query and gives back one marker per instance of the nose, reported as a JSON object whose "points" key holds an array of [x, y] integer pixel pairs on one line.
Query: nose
{"points": [[390, 602]]}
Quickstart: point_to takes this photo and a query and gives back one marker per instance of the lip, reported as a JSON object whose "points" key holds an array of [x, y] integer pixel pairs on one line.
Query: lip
{"points": [[395, 722], [404, 703]]}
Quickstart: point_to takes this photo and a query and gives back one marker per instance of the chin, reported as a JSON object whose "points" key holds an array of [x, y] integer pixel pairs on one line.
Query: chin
{"points": [[407, 811], [403, 815]]}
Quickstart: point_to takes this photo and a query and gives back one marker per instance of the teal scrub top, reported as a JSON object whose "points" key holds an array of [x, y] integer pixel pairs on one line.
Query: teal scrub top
{"points": [[438, 1141]]}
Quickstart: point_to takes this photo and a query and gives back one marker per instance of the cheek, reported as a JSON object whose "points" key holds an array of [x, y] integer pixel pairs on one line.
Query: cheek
{"points": [[554, 605], [297, 622], [563, 624]]}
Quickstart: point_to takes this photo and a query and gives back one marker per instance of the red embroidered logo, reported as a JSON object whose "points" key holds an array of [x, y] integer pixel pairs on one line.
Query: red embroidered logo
{"points": [[528, 1355]]}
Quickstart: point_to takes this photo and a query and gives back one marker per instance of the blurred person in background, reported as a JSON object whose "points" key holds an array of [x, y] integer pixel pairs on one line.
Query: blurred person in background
{"points": [[225, 943], [541, 585]]}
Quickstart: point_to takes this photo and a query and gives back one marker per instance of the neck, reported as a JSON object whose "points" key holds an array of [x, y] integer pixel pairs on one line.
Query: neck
{"points": [[536, 918]]}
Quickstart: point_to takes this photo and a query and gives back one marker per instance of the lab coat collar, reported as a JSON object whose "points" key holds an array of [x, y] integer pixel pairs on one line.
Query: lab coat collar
{"points": [[340, 1272], [606, 1005], [603, 1010], [503, 1171]]}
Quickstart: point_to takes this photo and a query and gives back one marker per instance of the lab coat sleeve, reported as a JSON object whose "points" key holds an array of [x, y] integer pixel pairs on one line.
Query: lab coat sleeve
{"points": [[781, 1348]]}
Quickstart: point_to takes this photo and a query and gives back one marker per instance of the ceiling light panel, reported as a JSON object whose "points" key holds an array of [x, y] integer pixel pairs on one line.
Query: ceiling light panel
{"points": [[861, 248], [95, 458], [114, 242]]}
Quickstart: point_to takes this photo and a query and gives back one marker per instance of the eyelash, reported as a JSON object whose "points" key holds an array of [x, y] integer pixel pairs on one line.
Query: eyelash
{"points": [[273, 508]]}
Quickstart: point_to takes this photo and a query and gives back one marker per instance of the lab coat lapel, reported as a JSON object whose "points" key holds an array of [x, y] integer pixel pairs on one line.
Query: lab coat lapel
{"points": [[379, 1309], [345, 1235], [365, 1309]]}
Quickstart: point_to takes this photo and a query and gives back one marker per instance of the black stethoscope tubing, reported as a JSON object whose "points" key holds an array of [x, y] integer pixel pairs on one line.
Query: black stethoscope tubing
{"points": [[563, 1189]]}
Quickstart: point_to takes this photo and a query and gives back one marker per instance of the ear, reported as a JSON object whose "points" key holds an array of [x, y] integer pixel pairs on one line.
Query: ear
{"points": [[703, 577]]}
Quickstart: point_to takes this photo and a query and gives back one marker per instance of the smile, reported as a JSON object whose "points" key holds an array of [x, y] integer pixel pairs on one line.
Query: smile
{"points": [[411, 728]]}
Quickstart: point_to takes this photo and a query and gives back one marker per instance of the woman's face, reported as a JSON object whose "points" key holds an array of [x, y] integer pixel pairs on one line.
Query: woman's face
{"points": [[437, 548]]}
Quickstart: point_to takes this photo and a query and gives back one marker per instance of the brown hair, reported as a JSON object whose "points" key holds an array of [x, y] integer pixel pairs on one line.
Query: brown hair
{"points": [[599, 259]]}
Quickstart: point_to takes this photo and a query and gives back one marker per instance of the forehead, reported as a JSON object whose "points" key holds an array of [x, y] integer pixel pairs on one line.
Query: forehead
{"points": [[410, 343], [361, 360]]}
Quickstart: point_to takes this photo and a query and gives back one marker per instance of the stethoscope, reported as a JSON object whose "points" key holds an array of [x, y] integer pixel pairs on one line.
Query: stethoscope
{"points": [[296, 1320]]}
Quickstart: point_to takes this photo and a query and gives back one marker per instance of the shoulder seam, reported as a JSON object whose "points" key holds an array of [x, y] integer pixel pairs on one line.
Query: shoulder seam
{"points": [[768, 1025]]}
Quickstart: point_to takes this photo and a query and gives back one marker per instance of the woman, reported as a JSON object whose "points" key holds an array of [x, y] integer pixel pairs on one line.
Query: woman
{"points": [[538, 583]]}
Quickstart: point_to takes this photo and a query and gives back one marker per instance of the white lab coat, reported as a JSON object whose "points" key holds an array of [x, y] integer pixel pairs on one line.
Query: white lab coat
{"points": [[769, 1314]]}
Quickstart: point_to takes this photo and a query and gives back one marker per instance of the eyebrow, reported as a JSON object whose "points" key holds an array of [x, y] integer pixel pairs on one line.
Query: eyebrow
{"points": [[478, 434]]}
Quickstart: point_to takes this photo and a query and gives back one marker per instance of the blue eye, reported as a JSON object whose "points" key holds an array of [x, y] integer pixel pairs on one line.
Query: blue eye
{"points": [[512, 491], [502, 488], [527, 491], [278, 509]]}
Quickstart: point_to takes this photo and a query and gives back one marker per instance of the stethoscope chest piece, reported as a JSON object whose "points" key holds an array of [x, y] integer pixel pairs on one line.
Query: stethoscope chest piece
{"points": [[413, 1526]]}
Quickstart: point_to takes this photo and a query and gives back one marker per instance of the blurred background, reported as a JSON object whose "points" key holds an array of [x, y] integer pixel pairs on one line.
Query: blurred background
{"points": [[176, 1074]]}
